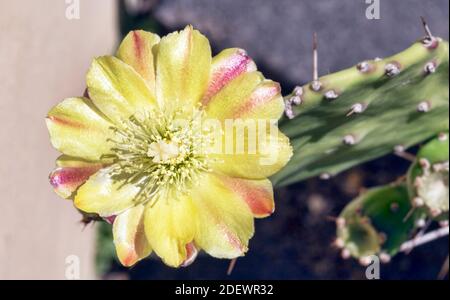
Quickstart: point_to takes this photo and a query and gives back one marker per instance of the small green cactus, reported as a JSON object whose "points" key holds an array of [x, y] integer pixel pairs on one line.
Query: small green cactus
{"points": [[428, 178], [376, 223], [367, 111]]}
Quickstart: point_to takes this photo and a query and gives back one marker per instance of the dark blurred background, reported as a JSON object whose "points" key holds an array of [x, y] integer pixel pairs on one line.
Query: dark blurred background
{"points": [[295, 243], [278, 33]]}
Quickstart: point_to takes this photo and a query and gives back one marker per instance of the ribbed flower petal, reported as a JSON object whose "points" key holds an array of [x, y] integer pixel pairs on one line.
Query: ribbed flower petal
{"points": [[104, 195], [170, 224], [117, 89], [71, 172], [249, 96], [129, 236], [183, 62], [136, 51], [258, 157], [258, 194], [77, 128], [225, 222], [226, 66]]}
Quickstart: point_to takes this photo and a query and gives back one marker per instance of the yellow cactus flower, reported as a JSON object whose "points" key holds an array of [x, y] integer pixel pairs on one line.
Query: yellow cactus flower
{"points": [[127, 158]]}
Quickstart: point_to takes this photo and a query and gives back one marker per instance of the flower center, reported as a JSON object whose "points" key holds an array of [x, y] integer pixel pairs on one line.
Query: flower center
{"points": [[159, 152], [163, 152]]}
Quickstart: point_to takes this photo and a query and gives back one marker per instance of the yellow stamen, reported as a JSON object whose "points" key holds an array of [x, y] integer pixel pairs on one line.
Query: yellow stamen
{"points": [[153, 154]]}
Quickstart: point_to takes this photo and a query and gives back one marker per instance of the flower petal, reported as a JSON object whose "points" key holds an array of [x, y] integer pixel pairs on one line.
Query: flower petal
{"points": [[258, 194], [226, 66], [265, 102], [117, 89], [248, 96], [71, 173], [105, 196], [191, 254], [183, 63], [129, 236], [77, 128], [225, 222], [259, 158], [170, 225], [136, 51]]}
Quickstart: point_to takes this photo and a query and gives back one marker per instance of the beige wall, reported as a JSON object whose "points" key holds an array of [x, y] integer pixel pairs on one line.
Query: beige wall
{"points": [[43, 59]]}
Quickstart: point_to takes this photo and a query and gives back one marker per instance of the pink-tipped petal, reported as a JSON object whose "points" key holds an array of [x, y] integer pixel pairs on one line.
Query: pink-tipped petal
{"points": [[258, 194], [70, 174], [191, 254], [136, 51], [129, 237], [110, 219], [226, 66], [225, 222], [78, 129], [248, 96], [264, 102], [183, 64]]}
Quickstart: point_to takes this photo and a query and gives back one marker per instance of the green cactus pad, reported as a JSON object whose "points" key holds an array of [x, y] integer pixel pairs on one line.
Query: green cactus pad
{"points": [[428, 178], [366, 111], [378, 221]]}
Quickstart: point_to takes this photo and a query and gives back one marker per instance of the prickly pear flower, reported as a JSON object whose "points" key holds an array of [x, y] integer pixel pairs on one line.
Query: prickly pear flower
{"points": [[172, 146]]}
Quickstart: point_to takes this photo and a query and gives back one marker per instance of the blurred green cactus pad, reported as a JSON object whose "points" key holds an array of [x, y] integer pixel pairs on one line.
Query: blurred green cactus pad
{"points": [[376, 223]]}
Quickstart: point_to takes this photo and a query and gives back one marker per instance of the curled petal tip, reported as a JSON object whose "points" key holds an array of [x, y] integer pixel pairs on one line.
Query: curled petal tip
{"points": [[191, 254]]}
